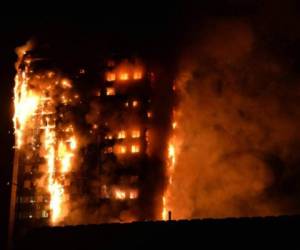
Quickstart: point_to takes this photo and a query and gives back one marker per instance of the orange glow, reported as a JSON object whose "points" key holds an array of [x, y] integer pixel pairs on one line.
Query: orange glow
{"points": [[110, 76], [135, 103], [120, 194], [110, 91], [66, 83], [123, 194], [135, 149], [123, 76], [149, 114], [108, 150], [135, 134], [174, 125], [137, 75], [50, 74], [108, 137], [171, 163], [35, 116], [123, 149], [122, 134], [133, 194], [25, 104]]}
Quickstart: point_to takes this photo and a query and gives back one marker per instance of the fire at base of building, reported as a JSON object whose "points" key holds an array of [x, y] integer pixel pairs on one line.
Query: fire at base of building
{"points": [[82, 144]]}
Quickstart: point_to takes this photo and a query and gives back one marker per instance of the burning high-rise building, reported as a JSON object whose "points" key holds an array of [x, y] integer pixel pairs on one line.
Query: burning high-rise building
{"points": [[83, 143]]}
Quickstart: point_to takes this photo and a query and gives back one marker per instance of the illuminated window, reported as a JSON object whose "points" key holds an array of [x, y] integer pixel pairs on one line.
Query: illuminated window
{"points": [[126, 104], [122, 134], [108, 150], [135, 149], [133, 194], [110, 91], [122, 149], [108, 137], [124, 76], [45, 214], [135, 134], [81, 71], [110, 76], [120, 194], [135, 103], [137, 75], [149, 114]]}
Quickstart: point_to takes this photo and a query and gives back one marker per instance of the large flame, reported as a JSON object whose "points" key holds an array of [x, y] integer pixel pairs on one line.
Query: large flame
{"points": [[171, 163], [35, 110]]}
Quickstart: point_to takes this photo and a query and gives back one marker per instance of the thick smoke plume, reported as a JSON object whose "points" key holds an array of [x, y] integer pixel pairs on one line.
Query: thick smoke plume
{"points": [[238, 138]]}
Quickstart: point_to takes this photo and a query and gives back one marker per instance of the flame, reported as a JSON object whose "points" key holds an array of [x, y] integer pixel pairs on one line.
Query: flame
{"points": [[26, 103], [120, 194], [35, 110], [122, 134], [110, 76], [171, 163], [125, 193], [135, 134], [65, 157], [110, 91], [135, 148], [66, 83], [123, 76], [56, 191], [137, 75]]}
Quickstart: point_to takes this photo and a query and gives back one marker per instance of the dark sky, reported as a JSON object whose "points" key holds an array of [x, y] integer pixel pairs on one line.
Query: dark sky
{"points": [[155, 31]]}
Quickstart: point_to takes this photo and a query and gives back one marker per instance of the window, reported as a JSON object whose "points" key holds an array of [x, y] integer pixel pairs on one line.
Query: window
{"points": [[45, 214], [122, 149], [110, 91], [135, 134], [122, 134], [133, 194], [108, 150], [137, 75], [108, 137], [120, 194], [135, 148], [123, 76], [110, 76], [135, 103]]}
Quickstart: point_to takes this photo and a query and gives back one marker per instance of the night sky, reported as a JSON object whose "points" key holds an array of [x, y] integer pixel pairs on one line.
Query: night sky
{"points": [[160, 34]]}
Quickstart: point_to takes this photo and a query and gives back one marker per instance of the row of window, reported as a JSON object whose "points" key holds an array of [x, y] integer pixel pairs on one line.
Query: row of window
{"points": [[122, 134], [123, 149], [34, 215], [124, 76], [33, 199]]}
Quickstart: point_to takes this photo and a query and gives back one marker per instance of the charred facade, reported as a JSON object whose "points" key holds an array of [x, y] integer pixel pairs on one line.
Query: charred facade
{"points": [[83, 143]]}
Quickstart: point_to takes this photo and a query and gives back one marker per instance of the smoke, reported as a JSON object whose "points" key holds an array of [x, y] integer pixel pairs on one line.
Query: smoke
{"points": [[238, 141]]}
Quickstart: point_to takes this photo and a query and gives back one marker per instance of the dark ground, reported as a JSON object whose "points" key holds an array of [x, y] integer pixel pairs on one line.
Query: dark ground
{"points": [[196, 234]]}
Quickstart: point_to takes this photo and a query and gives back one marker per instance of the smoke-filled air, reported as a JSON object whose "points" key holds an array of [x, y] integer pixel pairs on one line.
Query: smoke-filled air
{"points": [[237, 138]]}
